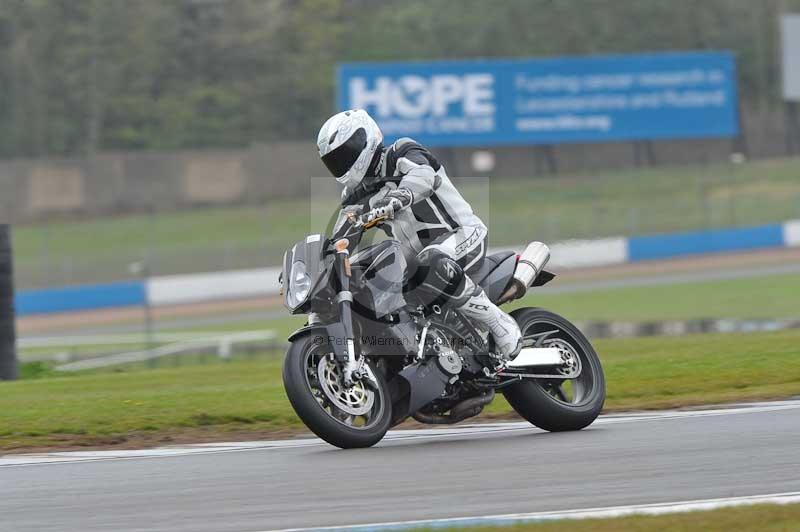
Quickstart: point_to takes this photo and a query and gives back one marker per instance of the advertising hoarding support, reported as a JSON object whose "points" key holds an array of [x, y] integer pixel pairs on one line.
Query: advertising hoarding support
{"points": [[790, 41], [8, 340]]}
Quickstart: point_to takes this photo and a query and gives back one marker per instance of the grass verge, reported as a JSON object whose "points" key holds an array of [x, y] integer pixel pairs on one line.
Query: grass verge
{"points": [[246, 398], [755, 297], [761, 518]]}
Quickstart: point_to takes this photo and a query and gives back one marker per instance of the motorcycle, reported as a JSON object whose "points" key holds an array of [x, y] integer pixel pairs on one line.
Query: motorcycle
{"points": [[373, 353]]}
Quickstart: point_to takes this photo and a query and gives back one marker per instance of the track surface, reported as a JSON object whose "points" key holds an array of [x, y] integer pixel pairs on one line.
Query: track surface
{"points": [[478, 470]]}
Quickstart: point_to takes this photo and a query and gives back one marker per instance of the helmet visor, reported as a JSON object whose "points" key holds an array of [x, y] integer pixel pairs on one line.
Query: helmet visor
{"points": [[340, 160]]}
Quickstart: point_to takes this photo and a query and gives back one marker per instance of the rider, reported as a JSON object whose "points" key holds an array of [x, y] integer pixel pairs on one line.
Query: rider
{"points": [[425, 212]]}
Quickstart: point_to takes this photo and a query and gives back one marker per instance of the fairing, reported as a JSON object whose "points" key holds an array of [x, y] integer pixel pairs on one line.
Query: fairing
{"points": [[308, 251], [379, 272]]}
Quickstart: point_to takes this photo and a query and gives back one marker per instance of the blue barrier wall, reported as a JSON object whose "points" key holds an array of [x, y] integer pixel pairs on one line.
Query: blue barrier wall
{"points": [[700, 242], [634, 249], [84, 297]]}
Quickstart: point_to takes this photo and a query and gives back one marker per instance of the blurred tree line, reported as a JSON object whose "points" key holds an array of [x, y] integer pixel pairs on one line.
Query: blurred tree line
{"points": [[77, 76]]}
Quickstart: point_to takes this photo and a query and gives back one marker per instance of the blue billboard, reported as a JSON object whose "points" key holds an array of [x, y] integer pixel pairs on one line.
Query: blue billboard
{"points": [[546, 101]]}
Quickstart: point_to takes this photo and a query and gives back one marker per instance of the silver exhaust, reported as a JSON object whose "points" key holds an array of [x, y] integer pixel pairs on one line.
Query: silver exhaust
{"points": [[530, 264], [537, 356]]}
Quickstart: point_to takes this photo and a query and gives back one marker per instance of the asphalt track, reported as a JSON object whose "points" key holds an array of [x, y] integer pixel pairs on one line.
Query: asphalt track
{"points": [[477, 470]]}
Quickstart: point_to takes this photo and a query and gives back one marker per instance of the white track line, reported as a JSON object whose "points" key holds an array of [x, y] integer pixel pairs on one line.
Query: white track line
{"points": [[585, 513], [392, 436]]}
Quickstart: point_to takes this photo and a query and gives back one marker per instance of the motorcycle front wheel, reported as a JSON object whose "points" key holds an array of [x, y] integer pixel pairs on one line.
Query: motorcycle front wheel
{"points": [[559, 404], [348, 418]]}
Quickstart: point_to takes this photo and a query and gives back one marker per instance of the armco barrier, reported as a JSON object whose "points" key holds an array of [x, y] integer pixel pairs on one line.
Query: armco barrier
{"points": [[192, 288], [180, 289], [83, 297], [791, 233], [702, 242], [588, 253]]}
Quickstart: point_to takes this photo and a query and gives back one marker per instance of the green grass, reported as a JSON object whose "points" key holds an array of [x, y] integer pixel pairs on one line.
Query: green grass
{"points": [[757, 518], [633, 201], [660, 372], [82, 350], [282, 326], [768, 297], [642, 201], [757, 297], [92, 408]]}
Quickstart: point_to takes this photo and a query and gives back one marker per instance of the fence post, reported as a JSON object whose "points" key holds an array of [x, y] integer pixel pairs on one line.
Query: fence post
{"points": [[142, 270], [792, 128], [8, 340], [224, 348]]}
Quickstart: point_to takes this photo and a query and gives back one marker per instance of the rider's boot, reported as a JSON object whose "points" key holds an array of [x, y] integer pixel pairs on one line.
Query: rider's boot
{"points": [[488, 316]]}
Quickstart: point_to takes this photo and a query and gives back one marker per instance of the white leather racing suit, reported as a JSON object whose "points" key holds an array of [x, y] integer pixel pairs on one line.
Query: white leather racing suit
{"points": [[437, 229]]}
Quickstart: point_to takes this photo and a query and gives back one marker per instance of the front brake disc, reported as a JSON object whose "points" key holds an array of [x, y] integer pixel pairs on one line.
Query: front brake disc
{"points": [[356, 400]]}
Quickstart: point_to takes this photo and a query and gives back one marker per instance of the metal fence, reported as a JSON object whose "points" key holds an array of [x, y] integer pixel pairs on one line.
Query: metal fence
{"points": [[90, 352]]}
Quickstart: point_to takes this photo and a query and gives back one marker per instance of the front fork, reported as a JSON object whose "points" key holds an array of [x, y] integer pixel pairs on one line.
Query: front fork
{"points": [[354, 366]]}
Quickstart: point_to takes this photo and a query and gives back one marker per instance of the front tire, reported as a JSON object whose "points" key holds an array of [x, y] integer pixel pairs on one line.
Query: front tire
{"points": [[348, 419], [552, 404]]}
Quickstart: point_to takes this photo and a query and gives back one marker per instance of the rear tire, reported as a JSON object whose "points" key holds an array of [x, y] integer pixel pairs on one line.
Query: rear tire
{"points": [[538, 401], [318, 411]]}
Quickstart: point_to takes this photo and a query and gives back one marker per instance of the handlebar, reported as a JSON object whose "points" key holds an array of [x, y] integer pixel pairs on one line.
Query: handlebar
{"points": [[367, 223], [368, 219]]}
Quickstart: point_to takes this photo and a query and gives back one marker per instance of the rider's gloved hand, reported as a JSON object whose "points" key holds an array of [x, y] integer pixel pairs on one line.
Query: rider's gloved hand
{"points": [[387, 206], [386, 212], [397, 199]]}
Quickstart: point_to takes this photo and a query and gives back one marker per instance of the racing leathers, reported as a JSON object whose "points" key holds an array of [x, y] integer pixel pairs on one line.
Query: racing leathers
{"points": [[437, 231]]}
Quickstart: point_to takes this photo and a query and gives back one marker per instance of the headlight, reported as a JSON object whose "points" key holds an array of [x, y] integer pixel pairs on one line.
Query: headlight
{"points": [[299, 284]]}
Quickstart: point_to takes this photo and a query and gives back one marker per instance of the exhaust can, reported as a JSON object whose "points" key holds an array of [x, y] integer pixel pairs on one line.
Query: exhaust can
{"points": [[530, 264]]}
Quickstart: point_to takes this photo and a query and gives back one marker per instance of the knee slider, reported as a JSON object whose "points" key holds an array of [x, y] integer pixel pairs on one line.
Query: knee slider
{"points": [[449, 275]]}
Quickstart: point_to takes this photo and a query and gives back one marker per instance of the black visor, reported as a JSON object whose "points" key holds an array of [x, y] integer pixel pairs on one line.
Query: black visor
{"points": [[340, 160]]}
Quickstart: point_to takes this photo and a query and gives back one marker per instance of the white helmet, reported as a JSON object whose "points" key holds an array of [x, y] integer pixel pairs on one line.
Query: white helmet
{"points": [[347, 143]]}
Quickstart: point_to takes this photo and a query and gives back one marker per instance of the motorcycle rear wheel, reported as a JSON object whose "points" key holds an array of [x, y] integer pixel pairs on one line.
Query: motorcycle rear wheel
{"points": [[559, 404], [346, 418]]}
